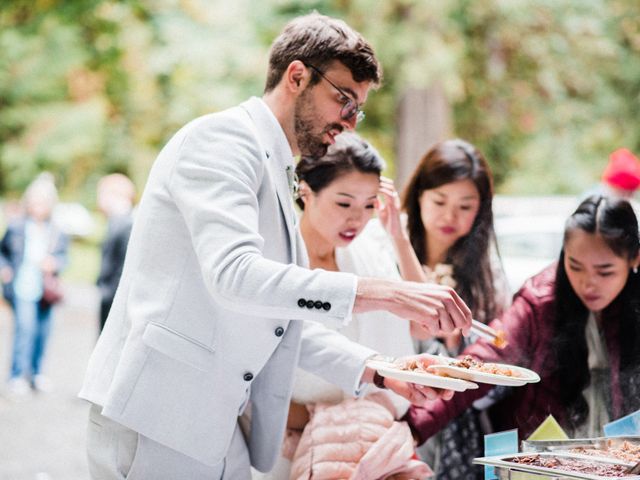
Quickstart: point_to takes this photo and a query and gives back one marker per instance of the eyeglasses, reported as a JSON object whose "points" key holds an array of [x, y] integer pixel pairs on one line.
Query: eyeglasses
{"points": [[350, 107]]}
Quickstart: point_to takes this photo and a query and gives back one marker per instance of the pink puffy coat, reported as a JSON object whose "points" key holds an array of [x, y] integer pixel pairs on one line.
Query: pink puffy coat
{"points": [[357, 439]]}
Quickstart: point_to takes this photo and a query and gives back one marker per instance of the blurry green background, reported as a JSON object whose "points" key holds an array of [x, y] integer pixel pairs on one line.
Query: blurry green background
{"points": [[545, 88]]}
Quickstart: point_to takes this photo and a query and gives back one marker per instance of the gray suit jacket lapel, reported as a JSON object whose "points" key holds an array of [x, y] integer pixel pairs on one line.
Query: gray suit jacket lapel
{"points": [[279, 161]]}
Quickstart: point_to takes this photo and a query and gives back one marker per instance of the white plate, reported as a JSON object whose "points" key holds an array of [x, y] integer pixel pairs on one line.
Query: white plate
{"points": [[422, 378], [526, 375]]}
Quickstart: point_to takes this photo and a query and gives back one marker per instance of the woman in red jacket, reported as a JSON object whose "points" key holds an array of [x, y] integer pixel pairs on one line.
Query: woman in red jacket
{"points": [[577, 324]]}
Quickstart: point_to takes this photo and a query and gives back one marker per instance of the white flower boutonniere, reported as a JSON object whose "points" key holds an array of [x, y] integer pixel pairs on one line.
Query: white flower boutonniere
{"points": [[292, 180]]}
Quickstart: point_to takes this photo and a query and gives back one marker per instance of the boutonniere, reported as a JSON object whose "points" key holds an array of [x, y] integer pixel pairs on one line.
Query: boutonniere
{"points": [[292, 181]]}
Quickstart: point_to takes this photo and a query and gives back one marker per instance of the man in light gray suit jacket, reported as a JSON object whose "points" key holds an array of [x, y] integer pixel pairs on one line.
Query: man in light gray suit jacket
{"points": [[215, 309]]}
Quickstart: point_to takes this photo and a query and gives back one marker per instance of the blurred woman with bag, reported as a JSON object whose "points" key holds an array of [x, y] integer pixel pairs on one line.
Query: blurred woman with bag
{"points": [[32, 254]]}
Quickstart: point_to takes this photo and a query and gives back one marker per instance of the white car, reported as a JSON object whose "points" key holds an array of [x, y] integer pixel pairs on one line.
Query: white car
{"points": [[528, 245], [529, 232]]}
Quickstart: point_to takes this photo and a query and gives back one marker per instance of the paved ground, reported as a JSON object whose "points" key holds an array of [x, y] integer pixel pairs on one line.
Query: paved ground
{"points": [[42, 437]]}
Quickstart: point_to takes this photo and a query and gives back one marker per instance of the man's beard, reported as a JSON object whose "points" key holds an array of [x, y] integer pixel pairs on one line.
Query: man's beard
{"points": [[309, 143]]}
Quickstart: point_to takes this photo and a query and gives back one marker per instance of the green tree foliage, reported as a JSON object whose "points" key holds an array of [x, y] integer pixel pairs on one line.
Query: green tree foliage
{"points": [[92, 87], [545, 88], [551, 88]]}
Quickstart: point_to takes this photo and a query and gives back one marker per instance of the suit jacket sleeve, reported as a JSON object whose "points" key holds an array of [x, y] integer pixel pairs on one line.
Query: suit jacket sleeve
{"points": [[517, 323], [215, 183], [333, 357]]}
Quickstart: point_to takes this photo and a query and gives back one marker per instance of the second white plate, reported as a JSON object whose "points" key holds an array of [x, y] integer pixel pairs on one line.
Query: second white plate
{"points": [[425, 378], [525, 375]]}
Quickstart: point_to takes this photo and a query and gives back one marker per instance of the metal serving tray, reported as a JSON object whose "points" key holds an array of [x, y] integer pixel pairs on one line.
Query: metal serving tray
{"points": [[600, 443], [555, 445], [507, 470]]}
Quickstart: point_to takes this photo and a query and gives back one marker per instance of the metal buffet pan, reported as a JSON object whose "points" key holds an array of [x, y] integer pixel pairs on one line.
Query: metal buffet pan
{"points": [[598, 442], [630, 445], [506, 469]]}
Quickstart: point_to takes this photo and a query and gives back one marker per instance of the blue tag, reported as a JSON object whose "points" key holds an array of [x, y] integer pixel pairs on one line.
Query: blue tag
{"points": [[500, 443], [629, 425]]}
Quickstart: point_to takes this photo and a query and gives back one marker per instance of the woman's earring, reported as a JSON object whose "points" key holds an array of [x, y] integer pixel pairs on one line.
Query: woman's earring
{"points": [[635, 269]]}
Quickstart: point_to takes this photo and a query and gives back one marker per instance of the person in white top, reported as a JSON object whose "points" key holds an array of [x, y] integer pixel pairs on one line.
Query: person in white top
{"points": [[338, 195]]}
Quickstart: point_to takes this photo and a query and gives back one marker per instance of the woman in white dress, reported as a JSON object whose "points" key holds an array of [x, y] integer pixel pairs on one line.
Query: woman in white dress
{"points": [[338, 195]]}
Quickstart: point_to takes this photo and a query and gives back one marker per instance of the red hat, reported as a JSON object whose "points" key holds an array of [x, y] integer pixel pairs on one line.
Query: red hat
{"points": [[623, 170]]}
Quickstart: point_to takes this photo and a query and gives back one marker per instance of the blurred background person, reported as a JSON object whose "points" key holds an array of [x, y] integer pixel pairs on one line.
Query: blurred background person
{"points": [[115, 196], [577, 324], [32, 249], [338, 197], [449, 239]]}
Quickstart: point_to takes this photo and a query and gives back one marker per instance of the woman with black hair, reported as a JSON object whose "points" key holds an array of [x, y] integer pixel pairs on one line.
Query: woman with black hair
{"points": [[449, 239], [449, 227], [577, 324], [330, 435]]}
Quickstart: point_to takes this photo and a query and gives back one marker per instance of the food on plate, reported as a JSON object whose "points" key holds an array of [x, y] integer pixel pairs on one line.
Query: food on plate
{"points": [[573, 465], [425, 368], [626, 451], [415, 365], [497, 337], [422, 364], [500, 339], [471, 363], [415, 370]]}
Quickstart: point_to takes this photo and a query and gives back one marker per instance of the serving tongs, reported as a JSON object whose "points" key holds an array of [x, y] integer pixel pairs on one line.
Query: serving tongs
{"points": [[497, 337]]}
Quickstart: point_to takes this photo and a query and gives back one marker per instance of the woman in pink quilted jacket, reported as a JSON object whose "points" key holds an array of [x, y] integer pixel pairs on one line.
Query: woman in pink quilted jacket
{"points": [[577, 324]]}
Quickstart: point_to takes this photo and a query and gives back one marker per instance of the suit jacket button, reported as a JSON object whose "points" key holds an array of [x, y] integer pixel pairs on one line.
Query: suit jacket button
{"points": [[326, 306], [279, 331], [302, 303], [318, 304], [310, 303], [248, 377]]}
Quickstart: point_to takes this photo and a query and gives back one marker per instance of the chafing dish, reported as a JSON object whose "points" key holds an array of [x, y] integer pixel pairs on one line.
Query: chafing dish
{"points": [[507, 469]]}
